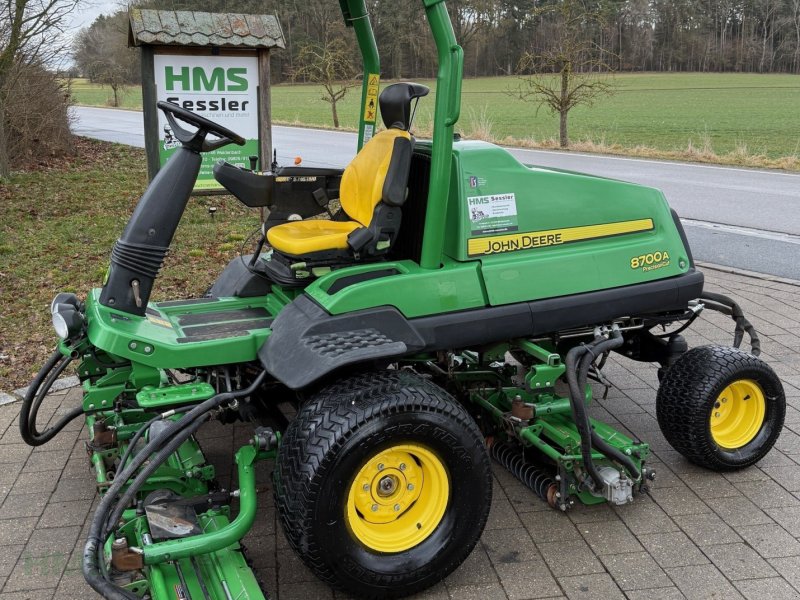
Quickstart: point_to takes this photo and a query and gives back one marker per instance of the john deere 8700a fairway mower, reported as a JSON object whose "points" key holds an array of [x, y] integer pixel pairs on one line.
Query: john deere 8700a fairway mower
{"points": [[453, 308]]}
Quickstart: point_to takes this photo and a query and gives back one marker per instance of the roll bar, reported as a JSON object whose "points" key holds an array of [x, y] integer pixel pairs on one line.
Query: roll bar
{"points": [[448, 109]]}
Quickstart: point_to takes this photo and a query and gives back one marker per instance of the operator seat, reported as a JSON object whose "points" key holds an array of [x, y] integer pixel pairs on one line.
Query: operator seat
{"points": [[373, 190]]}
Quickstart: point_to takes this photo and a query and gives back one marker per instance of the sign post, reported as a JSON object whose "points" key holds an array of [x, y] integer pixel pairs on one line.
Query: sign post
{"points": [[225, 80]]}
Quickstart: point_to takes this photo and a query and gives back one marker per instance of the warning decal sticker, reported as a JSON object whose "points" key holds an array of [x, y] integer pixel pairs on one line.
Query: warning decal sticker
{"points": [[371, 105]]}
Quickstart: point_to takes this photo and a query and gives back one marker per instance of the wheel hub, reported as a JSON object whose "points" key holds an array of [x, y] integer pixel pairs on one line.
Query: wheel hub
{"points": [[738, 414], [397, 498]]}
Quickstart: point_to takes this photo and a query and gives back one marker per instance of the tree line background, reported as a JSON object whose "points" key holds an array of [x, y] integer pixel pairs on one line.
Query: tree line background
{"points": [[760, 36]]}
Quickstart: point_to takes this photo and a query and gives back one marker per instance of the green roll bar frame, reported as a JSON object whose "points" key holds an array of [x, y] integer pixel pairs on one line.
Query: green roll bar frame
{"points": [[447, 110]]}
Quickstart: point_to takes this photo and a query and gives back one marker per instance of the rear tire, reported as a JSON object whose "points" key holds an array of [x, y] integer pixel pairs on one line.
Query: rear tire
{"points": [[383, 484], [721, 408]]}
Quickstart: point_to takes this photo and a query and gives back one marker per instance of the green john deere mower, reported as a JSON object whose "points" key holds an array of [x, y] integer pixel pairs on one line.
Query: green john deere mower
{"points": [[453, 309]]}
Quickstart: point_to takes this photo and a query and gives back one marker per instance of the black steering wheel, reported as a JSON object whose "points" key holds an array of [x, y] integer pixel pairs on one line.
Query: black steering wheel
{"points": [[196, 140]]}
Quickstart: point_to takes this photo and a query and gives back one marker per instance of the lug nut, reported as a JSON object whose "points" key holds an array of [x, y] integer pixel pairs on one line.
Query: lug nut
{"points": [[396, 507], [402, 466], [365, 487], [716, 414], [410, 487], [374, 508], [380, 466]]}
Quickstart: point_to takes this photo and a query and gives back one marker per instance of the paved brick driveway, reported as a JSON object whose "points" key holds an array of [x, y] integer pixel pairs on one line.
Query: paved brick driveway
{"points": [[700, 534]]}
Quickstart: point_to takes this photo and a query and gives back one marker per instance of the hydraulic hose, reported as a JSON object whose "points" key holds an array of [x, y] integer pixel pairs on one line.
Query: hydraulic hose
{"points": [[723, 304], [34, 397], [162, 446], [583, 372], [579, 416], [135, 439]]}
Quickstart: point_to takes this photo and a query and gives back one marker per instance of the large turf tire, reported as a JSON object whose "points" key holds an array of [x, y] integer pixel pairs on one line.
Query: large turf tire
{"points": [[333, 440], [690, 397]]}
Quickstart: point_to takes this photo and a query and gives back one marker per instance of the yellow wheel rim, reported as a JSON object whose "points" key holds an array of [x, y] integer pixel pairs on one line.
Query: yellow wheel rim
{"points": [[738, 414], [397, 498]]}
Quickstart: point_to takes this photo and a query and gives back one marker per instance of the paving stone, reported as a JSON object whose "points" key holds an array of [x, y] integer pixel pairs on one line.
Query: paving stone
{"points": [[591, 587], [62, 514], [32, 573], [770, 541], [549, 526], [645, 516], [609, 537], [476, 569], [37, 594], [739, 561], [16, 531], [16, 506], [15, 453], [509, 546], [703, 582], [570, 558], [8, 558], [43, 460], [774, 588], [787, 517], [73, 587], [673, 549], [679, 501], [739, 511], [788, 568], [502, 515], [489, 591], [636, 570], [305, 591], [767, 494], [46, 542], [529, 579], [34, 483], [709, 485], [707, 529], [669, 593]]}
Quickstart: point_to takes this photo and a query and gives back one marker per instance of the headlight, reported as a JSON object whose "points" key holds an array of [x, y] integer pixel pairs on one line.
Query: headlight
{"points": [[65, 298], [67, 319]]}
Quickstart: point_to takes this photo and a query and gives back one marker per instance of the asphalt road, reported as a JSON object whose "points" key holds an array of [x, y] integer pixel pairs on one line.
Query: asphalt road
{"points": [[742, 218]]}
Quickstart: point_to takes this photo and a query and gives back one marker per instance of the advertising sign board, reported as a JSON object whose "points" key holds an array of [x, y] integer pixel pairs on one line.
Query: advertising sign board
{"points": [[221, 88]]}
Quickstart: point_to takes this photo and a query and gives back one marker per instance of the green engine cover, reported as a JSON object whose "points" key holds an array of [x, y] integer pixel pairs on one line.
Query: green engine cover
{"points": [[543, 233]]}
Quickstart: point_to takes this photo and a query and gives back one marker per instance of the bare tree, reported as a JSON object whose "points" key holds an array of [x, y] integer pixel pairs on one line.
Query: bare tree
{"points": [[570, 70], [29, 34], [328, 64], [102, 54]]}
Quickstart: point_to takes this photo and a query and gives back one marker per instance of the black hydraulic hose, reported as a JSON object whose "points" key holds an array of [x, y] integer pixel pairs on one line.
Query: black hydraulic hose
{"points": [[152, 466], [583, 372], [135, 439], [579, 416], [34, 397], [173, 435], [725, 305]]}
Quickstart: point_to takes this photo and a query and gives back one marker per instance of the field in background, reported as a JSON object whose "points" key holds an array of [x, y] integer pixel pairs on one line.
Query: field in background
{"points": [[730, 117]]}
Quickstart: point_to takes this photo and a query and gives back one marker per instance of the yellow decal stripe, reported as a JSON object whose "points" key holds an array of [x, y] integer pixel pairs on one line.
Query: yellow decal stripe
{"points": [[159, 321], [553, 237]]}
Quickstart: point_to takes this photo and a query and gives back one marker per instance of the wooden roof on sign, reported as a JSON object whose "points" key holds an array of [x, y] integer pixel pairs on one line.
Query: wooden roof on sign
{"points": [[203, 29]]}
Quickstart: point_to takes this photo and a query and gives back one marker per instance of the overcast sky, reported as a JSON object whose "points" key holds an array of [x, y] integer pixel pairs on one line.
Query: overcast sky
{"points": [[89, 10]]}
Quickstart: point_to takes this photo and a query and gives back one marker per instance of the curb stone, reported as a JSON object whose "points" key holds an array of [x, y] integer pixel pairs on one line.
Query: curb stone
{"points": [[60, 384]]}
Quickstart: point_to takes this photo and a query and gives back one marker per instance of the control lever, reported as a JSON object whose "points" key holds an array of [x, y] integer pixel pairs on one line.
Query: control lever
{"points": [[253, 163], [274, 166]]}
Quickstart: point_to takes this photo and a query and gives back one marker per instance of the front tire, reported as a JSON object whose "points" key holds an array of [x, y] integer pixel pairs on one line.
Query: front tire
{"points": [[383, 484], [721, 408]]}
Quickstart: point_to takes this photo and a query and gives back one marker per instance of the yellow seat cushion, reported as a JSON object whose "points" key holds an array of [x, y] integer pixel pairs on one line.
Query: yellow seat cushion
{"points": [[304, 237], [360, 192]]}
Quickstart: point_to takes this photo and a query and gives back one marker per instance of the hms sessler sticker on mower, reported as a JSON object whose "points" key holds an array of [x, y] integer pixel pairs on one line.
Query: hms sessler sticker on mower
{"points": [[493, 214], [553, 237]]}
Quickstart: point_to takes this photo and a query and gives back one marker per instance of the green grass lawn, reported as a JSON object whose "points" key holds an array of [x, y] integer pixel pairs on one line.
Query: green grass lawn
{"points": [[748, 113], [58, 227]]}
